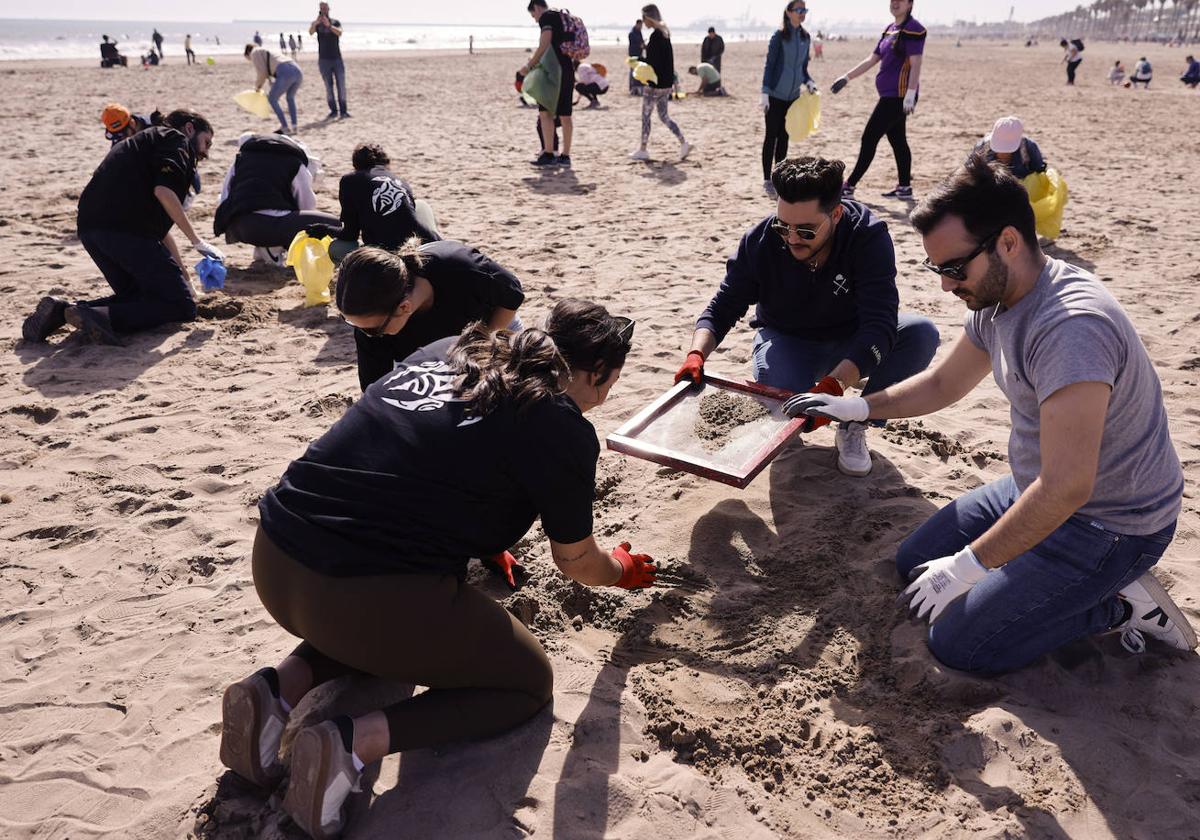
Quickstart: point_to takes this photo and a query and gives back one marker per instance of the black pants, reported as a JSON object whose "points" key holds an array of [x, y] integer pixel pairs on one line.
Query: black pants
{"points": [[275, 231], [1071, 67], [775, 144], [591, 91], [888, 119], [148, 286], [191, 56]]}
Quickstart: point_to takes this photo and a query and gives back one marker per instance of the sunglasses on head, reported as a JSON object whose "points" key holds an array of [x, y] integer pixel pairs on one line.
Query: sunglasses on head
{"points": [[798, 10], [803, 232], [956, 270], [625, 329]]}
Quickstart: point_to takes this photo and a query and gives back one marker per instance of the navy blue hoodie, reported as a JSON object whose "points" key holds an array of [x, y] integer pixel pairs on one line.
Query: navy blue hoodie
{"points": [[852, 296]]}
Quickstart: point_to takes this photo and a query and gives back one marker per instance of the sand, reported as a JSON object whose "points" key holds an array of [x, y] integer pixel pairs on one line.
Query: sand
{"points": [[768, 687], [723, 411]]}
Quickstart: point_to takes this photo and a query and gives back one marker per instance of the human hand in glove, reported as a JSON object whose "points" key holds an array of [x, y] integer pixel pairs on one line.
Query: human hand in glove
{"points": [[811, 86], [824, 403], [764, 102], [940, 582], [211, 251], [505, 565], [637, 570], [910, 101], [693, 367], [838, 83]]}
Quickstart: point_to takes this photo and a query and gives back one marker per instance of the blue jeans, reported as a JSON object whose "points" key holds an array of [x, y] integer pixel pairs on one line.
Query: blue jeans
{"points": [[1062, 589], [796, 363], [288, 78], [333, 70], [148, 286]]}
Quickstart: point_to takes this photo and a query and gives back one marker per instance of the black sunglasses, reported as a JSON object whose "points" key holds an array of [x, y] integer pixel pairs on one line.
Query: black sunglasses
{"points": [[806, 233], [380, 331], [798, 10], [625, 329], [956, 270]]}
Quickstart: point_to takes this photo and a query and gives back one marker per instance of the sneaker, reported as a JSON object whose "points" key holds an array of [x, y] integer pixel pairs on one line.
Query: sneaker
{"points": [[899, 192], [685, 149], [332, 115], [564, 160], [544, 159], [252, 724], [847, 191], [323, 775], [283, 131], [92, 324], [1149, 611], [345, 115], [853, 456], [640, 154], [769, 189], [46, 318]]}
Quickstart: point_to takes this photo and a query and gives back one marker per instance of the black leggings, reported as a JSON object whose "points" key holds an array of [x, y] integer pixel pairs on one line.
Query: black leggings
{"points": [[888, 119], [275, 231], [1072, 66], [775, 144], [486, 673]]}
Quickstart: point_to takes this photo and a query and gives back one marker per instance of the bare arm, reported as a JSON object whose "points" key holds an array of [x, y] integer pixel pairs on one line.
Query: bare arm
{"points": [[169, 241], [863, 66], [847, 373], [934, 389], [705, 341], [1071, 427], [501, 318], [543, 45], [170, 203], [585, 562]]}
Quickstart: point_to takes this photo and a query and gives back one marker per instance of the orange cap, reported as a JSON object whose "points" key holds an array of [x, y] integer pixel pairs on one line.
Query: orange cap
{"points": [[601, 69], [115, 117]]}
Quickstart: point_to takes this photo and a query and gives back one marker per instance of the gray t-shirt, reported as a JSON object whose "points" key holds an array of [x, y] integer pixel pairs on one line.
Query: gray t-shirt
{"points": [[1069, 329]]}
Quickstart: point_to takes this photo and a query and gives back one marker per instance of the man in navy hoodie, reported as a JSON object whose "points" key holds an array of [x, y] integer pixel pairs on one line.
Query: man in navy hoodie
{"points": [[821, 273]]}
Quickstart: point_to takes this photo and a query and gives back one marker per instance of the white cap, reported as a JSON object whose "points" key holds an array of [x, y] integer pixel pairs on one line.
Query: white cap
{"points": [[1006, 135]]}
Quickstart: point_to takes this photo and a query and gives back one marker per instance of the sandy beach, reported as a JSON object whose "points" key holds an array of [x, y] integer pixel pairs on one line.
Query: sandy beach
{"points": [[768, 687]]}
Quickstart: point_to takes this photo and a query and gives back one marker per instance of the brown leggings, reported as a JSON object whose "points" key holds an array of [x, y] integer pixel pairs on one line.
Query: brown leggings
{"points": [[486, 673]]}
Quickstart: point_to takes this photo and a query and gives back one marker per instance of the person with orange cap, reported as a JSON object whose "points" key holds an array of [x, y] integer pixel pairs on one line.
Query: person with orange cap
{"points": [[1007, 143]]}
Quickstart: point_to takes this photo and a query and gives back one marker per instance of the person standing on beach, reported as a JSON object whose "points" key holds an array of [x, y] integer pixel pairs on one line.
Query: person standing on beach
{"points": [[292, 44], [637, 49], [257, 38], [785, 76], [187, 48], [126, 213], [329, 60], [657, 93], [712, 48], [898, 54], [158, 42], [287, 78], [363, 546], [553, 36], [1071, 57], [821, 273], [1062, 548]]}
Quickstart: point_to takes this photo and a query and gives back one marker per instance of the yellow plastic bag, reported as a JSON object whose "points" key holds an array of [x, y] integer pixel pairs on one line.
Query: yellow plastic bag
{"points": [[644, 73], [542, 83], [314, 269], [254, 101], [1048, 195], [803, 116]]}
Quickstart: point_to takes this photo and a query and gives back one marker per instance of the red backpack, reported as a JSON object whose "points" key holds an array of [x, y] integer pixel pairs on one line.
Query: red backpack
{"points": [[576, 46]]}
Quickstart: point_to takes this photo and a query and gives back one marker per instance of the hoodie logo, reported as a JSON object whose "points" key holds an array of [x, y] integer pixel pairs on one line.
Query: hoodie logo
{"points": [[840, 287], [387, 197]]}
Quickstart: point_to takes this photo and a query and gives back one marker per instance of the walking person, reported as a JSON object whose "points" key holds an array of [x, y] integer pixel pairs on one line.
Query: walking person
{"points": [[785, 74], [287, 78], [637, 49], [898, 54], [126, 213], [187, 48], [1072, 58], [657, 93], [329, 60], [551, 38], [1062, 548]]}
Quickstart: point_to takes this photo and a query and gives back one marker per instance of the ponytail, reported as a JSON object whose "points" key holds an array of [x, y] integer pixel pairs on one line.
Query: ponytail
{"points": [[373, 281], [506, 367]]}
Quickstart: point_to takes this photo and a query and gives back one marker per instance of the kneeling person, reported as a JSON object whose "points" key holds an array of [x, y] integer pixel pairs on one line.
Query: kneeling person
{"points": [[710, 80], [821, 273]]}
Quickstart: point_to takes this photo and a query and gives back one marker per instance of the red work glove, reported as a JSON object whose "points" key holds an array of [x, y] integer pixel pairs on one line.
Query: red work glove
{"points": [[693, 367], [637, 570], [828, 385], [504, 564]]}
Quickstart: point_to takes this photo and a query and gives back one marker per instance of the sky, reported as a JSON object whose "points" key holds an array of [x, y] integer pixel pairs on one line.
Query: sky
{"points": [[823, 12]]}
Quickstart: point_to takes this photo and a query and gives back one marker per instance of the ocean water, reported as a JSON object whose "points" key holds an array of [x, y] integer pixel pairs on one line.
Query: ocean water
{"points": [[34, 39]]}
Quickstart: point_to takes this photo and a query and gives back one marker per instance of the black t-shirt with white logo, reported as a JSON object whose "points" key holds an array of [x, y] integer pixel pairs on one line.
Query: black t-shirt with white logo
{"points": [[408, 481], [379, 206], [467, 287]]}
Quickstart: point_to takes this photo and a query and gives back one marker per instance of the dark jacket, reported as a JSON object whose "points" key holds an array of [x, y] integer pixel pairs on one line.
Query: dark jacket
{"points": [[262, 179], [853, 296], [661, 56], [1027, 159], [637, 43], [777, 61], [711, 48]]}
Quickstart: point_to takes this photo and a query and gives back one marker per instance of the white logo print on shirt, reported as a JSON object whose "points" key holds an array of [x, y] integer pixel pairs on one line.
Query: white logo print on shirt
{"points": [[840, 287], [388, 196], [424, 387]]}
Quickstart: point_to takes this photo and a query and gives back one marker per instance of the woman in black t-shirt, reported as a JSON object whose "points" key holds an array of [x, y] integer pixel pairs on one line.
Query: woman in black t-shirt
{"points": [[363, 547], [400, 301], [657, 94]]}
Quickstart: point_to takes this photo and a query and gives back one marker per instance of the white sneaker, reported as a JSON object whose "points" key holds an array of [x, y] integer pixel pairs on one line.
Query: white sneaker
{"points": [[640, 154], [1153, 614], [685, 148], [323, 775], [853, 456]]}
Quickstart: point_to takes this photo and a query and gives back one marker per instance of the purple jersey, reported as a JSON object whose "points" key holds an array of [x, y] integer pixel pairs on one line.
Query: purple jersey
{"points": [[896, 46]]}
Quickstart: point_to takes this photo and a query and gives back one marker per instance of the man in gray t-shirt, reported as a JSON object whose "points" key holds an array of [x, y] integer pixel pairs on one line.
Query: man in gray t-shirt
{"points": [[1062, 548]]}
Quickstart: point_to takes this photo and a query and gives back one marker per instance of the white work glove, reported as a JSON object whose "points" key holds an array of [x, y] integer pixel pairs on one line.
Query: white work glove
{"points": [[209, 250], [838, 83], [810, 86], [910, 101], [941, 582], [764, 102], [846, 409]]}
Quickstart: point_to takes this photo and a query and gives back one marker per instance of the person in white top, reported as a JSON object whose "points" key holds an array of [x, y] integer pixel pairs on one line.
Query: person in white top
{"points": [[591, 81]]}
